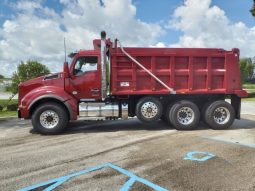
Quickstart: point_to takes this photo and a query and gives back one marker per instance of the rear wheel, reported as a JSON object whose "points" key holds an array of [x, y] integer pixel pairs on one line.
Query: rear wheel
{"points": [[184, 115], [219, 115], [49, 118], [149, 109]]}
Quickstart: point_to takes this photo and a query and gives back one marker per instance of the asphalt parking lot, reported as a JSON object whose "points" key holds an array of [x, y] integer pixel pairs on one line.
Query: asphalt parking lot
{"points": [[129, 155]]}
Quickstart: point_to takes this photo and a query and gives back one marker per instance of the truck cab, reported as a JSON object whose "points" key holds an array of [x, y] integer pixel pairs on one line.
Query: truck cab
{"points": [[84, 81], [53, 100]]}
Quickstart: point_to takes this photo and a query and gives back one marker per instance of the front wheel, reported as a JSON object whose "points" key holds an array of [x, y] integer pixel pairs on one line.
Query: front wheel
{"points": [[219, 115], [49, 118]]}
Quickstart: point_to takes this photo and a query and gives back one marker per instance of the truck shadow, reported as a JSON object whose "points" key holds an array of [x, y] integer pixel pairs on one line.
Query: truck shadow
{"points": [[113, 126], [243, 124], [135, 125]]}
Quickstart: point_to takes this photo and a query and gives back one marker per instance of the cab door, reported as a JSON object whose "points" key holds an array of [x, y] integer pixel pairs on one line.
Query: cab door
{"points": [[85, 81]]}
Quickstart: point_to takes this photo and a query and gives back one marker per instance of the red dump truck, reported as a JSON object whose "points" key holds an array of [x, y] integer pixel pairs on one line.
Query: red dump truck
{"points": [[181, 86]]}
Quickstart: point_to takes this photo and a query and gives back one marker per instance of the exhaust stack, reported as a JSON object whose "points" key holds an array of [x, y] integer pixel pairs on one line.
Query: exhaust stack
{"points": [[103, 65]]}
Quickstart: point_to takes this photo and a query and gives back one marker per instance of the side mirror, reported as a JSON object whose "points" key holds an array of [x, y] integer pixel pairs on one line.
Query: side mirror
{"points": [[66, 70]]}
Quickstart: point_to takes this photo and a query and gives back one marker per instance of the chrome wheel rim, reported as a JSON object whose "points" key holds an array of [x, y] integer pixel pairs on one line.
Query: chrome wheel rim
{"points": [[185, 115], [49, 119], [221, 115], [149, 110]]}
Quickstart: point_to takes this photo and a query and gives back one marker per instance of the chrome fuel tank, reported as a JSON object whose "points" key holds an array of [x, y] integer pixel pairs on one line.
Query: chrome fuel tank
{"points": [[99, 110]]}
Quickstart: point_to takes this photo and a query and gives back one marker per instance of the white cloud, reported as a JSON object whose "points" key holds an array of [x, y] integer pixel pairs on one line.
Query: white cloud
{"points": [[159, 45], [27, 5], [204, 25], [36, 32], [9, 27]]}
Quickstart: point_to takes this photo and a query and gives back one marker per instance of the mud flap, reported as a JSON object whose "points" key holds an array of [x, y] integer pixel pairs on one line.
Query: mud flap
{"points": [[236, 104]]}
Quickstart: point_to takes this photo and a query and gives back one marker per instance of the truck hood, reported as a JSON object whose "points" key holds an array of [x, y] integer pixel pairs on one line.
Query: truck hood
{"points": [[35, 82], [55, 79]]}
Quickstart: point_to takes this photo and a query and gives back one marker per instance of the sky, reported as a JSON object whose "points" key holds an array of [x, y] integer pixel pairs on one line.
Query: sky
{"points": [[35, 29]]}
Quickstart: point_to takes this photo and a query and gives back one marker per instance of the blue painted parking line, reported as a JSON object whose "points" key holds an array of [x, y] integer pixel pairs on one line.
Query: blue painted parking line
{"points": [[128, 184], [58, 181], [54, 183], [192, 156], [230, 142]]}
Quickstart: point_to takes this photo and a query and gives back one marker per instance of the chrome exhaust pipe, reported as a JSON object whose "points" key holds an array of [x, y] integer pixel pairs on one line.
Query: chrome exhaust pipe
{"points": [[103, 66]]}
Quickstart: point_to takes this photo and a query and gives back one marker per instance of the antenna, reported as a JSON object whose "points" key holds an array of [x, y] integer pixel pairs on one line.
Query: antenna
{"points": [[65, 47]]}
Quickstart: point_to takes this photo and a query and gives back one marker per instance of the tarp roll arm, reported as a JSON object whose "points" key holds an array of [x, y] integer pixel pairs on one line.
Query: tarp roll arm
{"points": [[171, 90]]}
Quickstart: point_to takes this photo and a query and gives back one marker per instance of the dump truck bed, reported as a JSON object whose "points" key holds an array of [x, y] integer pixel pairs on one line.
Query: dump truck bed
{"points": [[186, 70]]}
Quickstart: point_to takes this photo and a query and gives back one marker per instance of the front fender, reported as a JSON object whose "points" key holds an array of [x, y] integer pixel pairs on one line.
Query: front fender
{"points": [[48, 93]]}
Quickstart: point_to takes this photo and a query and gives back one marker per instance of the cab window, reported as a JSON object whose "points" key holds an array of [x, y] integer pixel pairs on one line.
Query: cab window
{"points": [[85, 64]]}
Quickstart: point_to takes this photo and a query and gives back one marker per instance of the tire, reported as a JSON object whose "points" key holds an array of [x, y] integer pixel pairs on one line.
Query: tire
{"points": [[49, 118], [202, 112], [167, 113], [184, 115], [219, 115], [149, 109]]}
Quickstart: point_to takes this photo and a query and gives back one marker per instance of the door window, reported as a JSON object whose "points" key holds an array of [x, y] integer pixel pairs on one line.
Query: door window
{"points": [[85, 64]]}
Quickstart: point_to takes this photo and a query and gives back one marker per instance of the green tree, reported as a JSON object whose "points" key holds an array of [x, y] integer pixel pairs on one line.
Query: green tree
{"points": [[1, 78], [247, 69], [27, 71]]}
